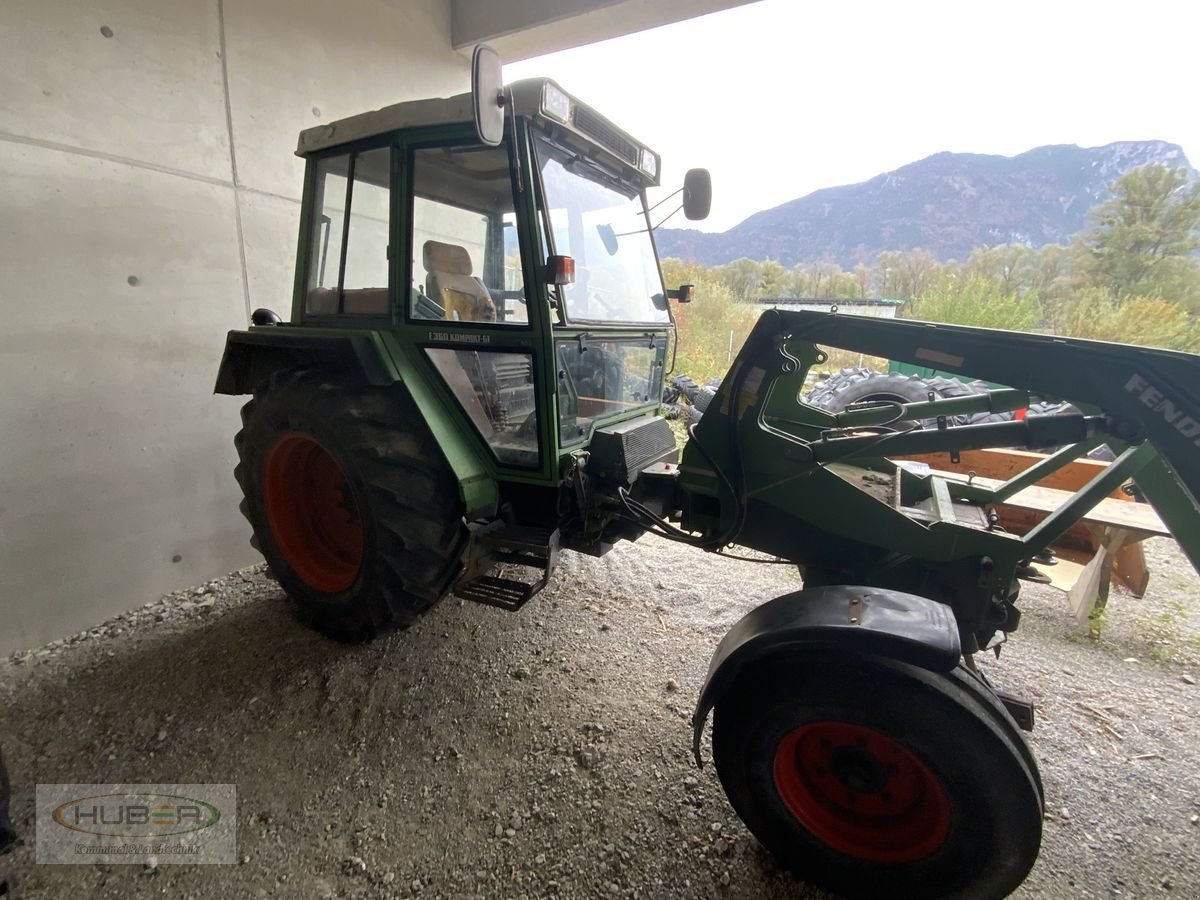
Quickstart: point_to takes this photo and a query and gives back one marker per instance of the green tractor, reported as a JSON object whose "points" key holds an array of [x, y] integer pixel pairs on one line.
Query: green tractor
{"points": [[470, 377]]}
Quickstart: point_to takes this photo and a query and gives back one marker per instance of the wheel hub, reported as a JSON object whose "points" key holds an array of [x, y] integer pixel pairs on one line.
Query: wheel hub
{"points": [[861, 792], [858, 770], [313, 516]]}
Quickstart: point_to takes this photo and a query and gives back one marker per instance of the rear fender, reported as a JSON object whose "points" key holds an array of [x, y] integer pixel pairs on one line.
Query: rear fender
{"points": [[865, 620], [251, 356]]}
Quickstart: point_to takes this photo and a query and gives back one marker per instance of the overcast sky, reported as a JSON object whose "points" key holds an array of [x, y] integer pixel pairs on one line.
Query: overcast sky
{"points": [[782, 97]]}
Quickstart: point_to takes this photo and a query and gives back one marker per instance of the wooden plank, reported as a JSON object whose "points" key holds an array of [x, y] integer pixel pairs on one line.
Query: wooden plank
{"points": [[1063, 574], [1111, 541], [1003, 464], [1129, 567], [1077, 539], [1109, 512], [1138, 517], [1083, 595]]}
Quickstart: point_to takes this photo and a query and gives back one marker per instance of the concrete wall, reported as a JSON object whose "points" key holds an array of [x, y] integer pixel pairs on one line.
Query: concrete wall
{"points": [[149, 200]]}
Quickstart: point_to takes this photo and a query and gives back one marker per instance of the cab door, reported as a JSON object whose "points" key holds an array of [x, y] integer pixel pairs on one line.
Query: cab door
{"points": [[472, 309]]}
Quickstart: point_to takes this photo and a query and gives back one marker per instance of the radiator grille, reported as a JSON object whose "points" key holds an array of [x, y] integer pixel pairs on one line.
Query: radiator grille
{"points": [[620, 452]]}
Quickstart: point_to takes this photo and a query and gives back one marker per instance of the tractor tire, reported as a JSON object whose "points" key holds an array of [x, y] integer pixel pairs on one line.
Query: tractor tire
{"points": [[351, 501], [857, 385], [873, 778], [684, 384], [698, 397]]}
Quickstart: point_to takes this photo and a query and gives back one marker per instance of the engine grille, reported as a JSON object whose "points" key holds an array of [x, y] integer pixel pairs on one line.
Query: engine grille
{"points": [[620, 452]]}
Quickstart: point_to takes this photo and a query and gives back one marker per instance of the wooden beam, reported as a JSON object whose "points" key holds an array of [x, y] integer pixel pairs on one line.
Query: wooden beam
{"points": [[1003, 464]]}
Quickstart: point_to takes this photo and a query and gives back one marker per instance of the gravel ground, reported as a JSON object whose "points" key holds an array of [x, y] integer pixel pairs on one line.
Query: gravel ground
{"points": [[546, 754]]}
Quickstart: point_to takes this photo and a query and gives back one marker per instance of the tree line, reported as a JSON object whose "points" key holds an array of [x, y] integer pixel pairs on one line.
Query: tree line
{"points": [[1132, 276]]}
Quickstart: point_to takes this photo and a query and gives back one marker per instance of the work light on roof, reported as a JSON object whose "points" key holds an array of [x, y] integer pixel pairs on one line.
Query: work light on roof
{"points": [[648, 162], [556, 103]]}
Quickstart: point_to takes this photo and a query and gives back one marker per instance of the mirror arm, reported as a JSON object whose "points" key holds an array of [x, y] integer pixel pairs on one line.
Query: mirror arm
{"points": [[652, 227], [664, 200], [663, 221]]}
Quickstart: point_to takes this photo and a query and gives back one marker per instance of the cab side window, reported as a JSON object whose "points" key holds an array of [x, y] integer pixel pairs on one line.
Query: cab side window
{"points": [[348, 259], [466, 266]]}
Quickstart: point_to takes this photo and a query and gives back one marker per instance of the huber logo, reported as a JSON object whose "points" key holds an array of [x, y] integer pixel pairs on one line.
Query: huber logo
{"points": [[136, 815], [132, 824]]}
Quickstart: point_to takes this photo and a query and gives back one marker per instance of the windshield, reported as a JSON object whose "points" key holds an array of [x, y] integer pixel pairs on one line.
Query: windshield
{"points": [[602, 224]]}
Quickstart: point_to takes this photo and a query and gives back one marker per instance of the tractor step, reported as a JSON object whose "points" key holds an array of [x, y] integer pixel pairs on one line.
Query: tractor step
{"points": [[1020, 709], [514, 545], [504, 593]]}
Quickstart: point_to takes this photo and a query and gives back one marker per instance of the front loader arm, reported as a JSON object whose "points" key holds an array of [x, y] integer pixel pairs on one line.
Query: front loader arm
{"points": [[1147, 394]]}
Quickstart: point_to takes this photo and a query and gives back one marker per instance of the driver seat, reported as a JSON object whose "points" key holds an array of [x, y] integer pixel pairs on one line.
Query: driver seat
{"points": [[449, 281]]}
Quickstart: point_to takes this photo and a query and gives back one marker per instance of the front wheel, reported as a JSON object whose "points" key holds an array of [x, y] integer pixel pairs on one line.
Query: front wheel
{"points": [[872, 777]]}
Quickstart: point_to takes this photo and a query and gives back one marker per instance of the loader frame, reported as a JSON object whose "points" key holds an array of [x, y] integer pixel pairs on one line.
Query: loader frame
{"points": [[768, 471]]}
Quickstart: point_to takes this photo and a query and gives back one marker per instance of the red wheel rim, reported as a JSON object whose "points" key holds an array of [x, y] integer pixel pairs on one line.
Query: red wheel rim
{"points": [[861, 792], [312, 513]]}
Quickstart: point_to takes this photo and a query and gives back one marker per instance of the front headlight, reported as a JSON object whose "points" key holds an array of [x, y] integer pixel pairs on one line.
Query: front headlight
{"points": [[556, 103]]}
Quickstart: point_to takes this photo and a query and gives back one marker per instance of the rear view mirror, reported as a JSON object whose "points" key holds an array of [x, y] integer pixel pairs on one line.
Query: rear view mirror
{"points": [[487, 95], [608, 238], [697, 194]]}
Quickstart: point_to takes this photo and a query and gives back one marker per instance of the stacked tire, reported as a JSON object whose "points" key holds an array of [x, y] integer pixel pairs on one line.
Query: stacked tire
{"points": [[698, 397], [858, 385]]}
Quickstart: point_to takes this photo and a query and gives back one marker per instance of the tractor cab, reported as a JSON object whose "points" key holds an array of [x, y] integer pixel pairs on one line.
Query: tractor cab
{"points": [[519, 278]]}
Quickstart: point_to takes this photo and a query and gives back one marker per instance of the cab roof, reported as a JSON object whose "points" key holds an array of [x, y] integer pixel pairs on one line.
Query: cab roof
{"points": [[526, 97]]}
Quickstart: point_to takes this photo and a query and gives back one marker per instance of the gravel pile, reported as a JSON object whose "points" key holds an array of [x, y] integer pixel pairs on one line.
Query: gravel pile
{"points": [[546, 754]]}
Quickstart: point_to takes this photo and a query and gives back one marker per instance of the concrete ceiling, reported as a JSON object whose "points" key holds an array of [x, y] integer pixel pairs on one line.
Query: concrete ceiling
{"points": [[519, 29]]}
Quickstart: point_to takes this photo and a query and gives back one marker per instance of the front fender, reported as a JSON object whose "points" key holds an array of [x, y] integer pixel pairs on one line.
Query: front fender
{"points": [[868, 620]]}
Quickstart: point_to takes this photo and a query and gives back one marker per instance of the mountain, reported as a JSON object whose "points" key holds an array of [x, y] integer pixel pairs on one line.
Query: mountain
{"points": [[948, 204]]}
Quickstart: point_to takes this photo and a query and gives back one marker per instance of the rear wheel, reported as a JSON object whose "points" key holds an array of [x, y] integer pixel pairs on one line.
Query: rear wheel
{"points": [[351, 501], [871, 777]]}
